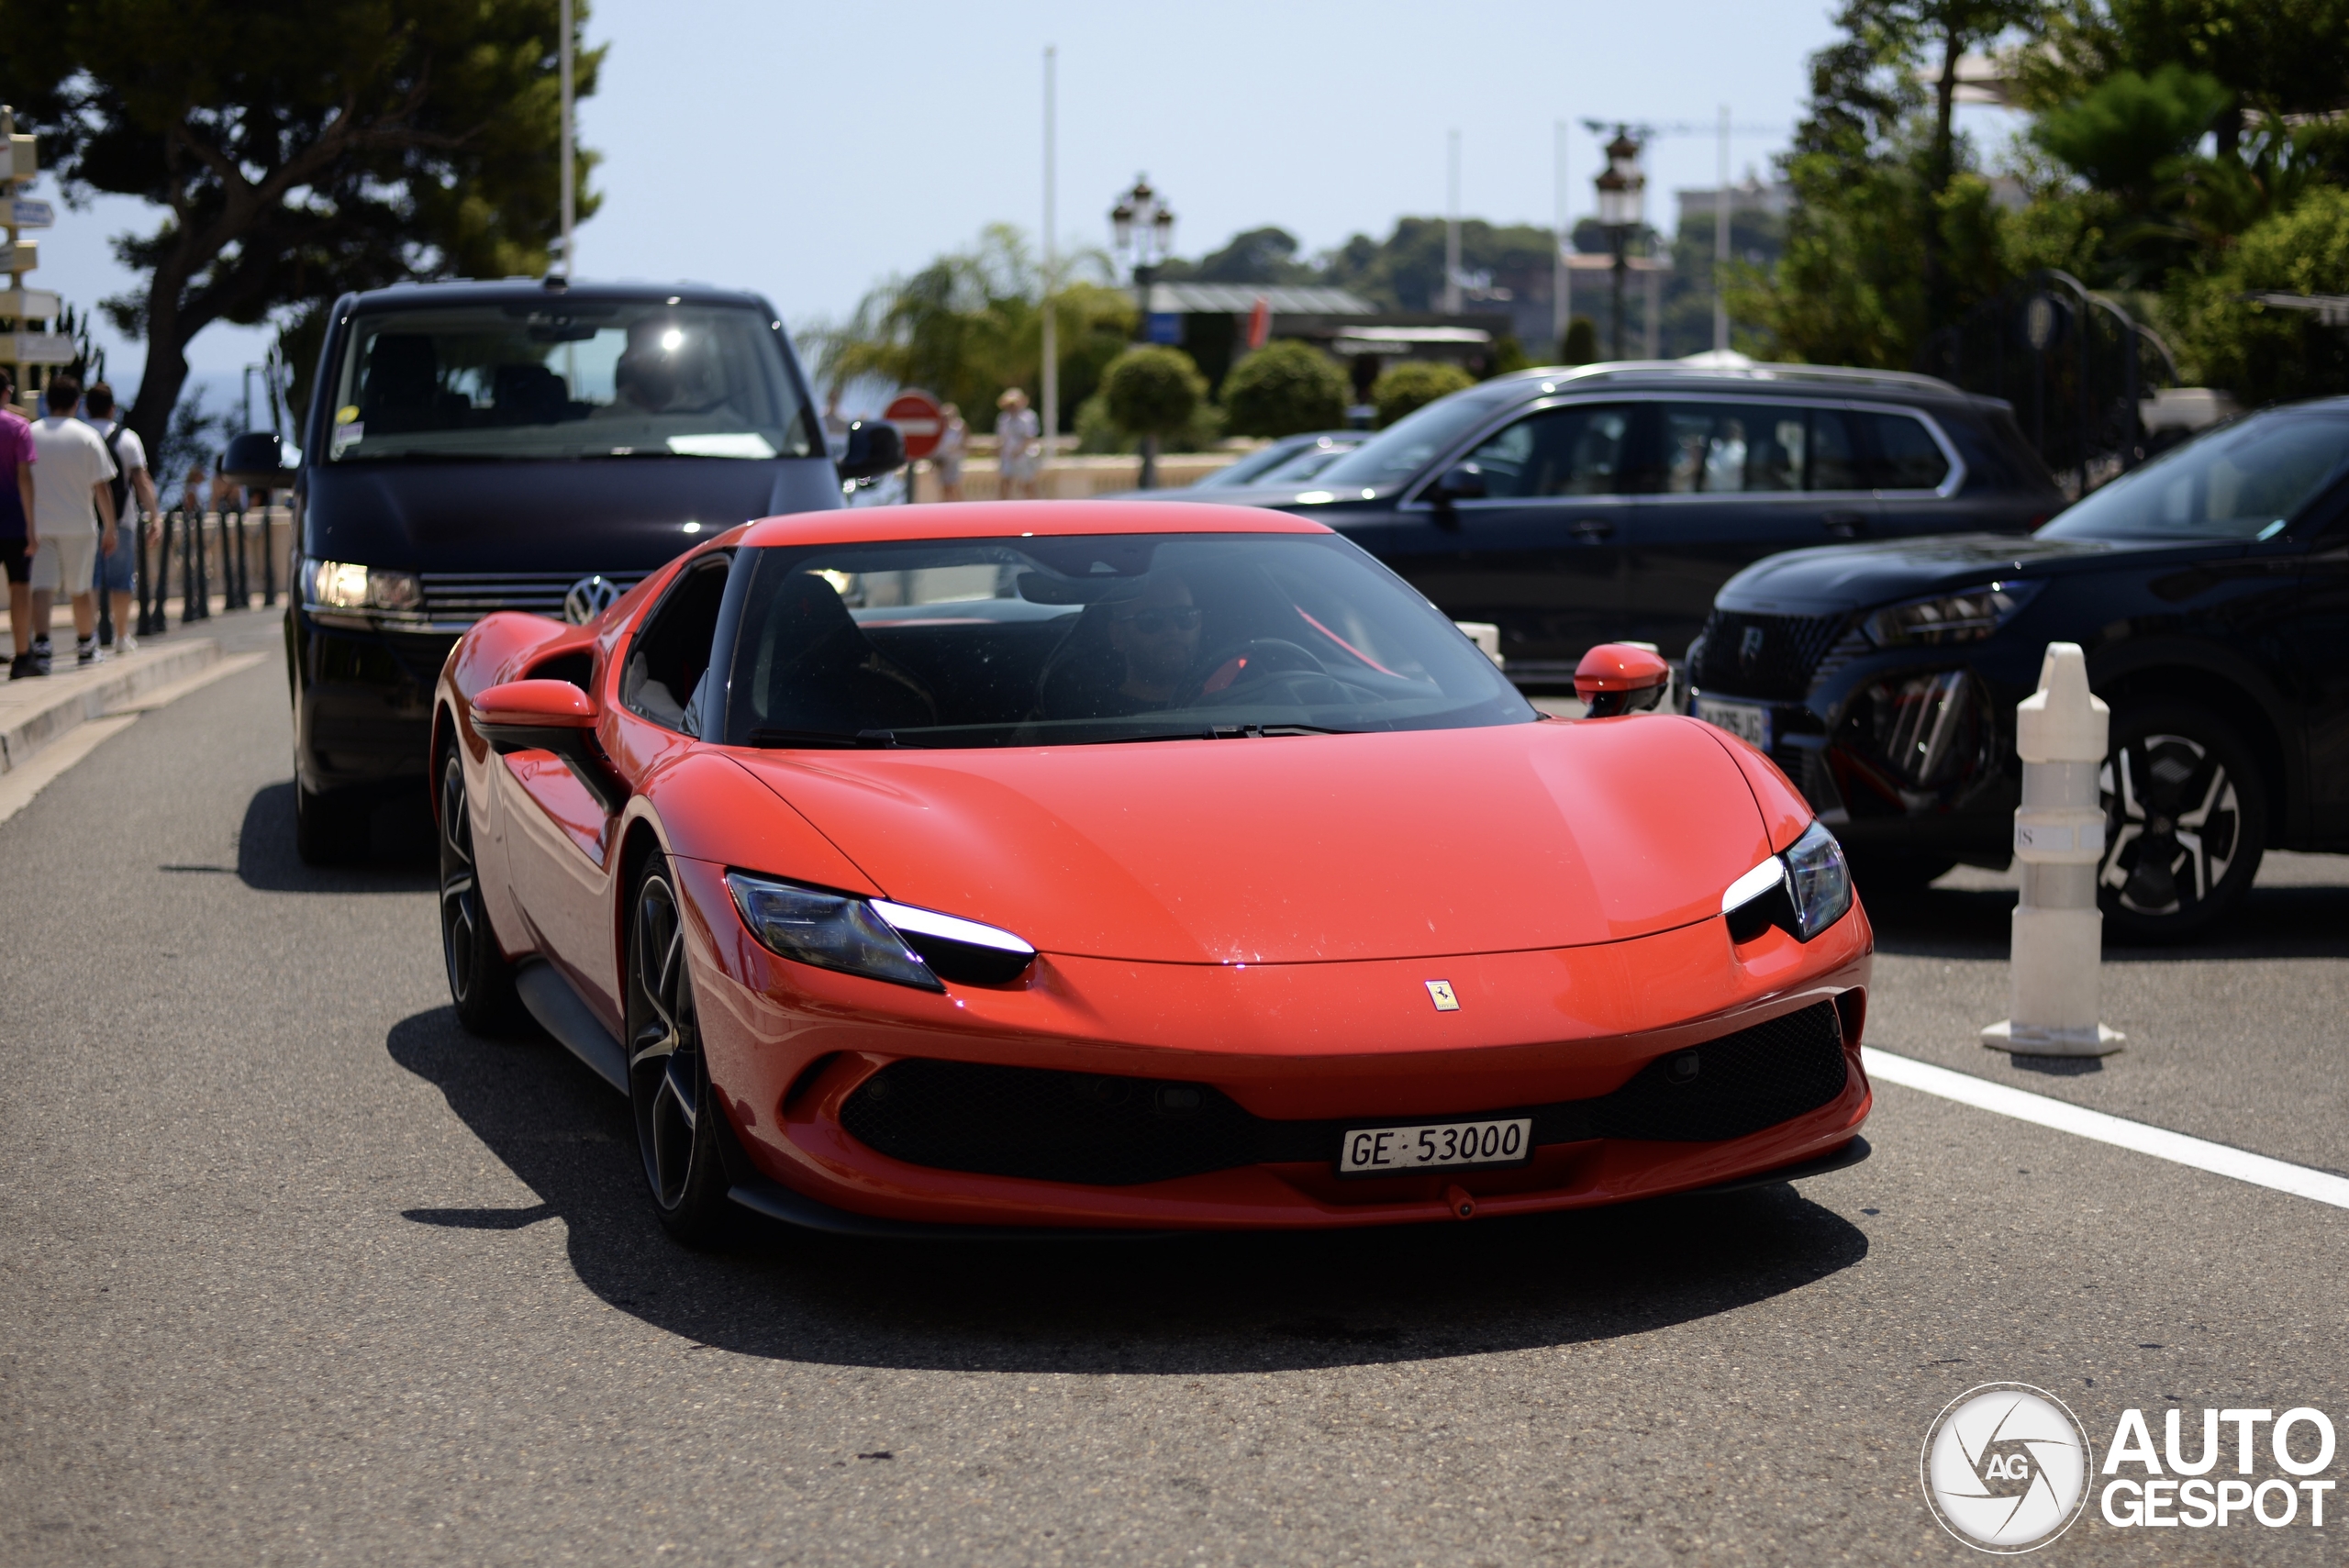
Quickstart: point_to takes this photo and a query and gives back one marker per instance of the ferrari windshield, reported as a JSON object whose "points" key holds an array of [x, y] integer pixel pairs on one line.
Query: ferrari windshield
{"points": [[1094, 639], [566, 378], [2245, 481]]}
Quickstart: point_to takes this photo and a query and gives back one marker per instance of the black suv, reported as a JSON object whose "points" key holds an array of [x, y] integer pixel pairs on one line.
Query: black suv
{"points": [[2210, 589], [1574, 506], [473, 447]]}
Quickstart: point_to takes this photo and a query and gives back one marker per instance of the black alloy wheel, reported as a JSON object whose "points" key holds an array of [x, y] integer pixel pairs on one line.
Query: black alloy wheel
{"points": [[2186, 822], [677, 1118], [481, 983]]}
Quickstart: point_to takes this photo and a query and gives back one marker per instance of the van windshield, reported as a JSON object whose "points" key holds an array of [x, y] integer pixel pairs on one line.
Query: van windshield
{"points": [[567, 378]]}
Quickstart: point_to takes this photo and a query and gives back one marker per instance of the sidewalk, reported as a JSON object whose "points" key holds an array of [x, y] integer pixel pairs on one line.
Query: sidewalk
{"points": [[36, 714]]}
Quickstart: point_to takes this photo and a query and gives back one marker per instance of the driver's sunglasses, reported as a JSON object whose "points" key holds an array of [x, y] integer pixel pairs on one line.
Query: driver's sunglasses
{"points": [[1157, 623]]}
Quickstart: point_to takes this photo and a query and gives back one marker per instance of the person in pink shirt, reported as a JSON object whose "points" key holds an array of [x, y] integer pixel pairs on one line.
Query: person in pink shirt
{"points": [[18, 540]]}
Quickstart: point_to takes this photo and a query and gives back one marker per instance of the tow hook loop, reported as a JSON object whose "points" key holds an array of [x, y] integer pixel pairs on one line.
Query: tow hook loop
{"points": [[1456, 1199]]}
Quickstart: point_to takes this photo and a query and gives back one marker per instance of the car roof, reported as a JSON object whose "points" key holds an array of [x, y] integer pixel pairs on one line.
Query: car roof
{"points": [[550, 292], [1001, 519], [1908, 384]]}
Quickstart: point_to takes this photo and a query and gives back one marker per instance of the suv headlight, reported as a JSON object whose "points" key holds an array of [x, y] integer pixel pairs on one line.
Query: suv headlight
{"points": [[874, 938], [342, 585], [1967, 615], [1802, 891]]}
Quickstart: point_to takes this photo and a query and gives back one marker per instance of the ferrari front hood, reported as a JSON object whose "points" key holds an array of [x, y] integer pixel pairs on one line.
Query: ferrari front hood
{"points": [[1298, 850]]}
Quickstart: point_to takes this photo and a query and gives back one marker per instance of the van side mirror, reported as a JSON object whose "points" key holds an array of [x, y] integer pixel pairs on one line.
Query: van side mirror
{"points": [[1461, 481], [875, 447], [1621, 677], [550, 716], [259, 460]]}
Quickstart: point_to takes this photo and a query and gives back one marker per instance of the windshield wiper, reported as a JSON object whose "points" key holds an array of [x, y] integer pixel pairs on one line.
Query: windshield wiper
{"points": [[1251, 731], [784, 739]]}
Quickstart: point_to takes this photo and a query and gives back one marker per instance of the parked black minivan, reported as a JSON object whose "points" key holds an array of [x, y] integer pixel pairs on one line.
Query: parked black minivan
{"points": [[473, 447], [1604, 503]]}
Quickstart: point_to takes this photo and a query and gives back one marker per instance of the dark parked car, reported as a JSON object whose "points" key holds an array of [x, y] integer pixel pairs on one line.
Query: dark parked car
{"points": [[515, 446], [2210, 589], [1609, 502]]}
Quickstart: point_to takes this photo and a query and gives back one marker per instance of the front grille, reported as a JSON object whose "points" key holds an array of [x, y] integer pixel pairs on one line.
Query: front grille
{"points": [[1762, 656], [469, 596], [1096, 1130]]}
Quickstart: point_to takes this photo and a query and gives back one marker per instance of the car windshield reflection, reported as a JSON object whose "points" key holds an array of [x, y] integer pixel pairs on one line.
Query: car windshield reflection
{"points": [[1093, 639]]}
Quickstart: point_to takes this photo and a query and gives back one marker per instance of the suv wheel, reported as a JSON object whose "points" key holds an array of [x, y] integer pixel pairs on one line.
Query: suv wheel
{"points": [[2185, 821]]}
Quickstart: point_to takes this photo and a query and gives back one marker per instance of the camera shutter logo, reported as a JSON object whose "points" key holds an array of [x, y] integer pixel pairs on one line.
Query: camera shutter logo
{"points": [[2005, 1467], [589, 597]]}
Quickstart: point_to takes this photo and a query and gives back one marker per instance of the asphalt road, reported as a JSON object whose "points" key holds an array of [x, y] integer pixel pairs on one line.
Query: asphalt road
{"points": [[298, 1271]]}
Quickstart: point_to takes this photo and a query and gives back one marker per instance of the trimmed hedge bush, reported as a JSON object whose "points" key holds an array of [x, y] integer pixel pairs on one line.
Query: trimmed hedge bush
{"points": [[1285, 389], [1415, 384], [1152, 390]]}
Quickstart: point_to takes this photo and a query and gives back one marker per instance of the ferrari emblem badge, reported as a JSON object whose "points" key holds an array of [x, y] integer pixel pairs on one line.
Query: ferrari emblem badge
{"points": [[1439, 991]]}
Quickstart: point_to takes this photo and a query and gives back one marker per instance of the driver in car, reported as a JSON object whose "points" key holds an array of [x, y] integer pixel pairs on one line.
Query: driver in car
{"points": [[1157, 633]]}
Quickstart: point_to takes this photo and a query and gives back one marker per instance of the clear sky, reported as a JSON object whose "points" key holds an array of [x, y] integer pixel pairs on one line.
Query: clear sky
{"points": [[807, 150]]}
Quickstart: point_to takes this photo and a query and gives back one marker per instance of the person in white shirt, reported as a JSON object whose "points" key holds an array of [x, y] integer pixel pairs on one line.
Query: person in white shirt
{"points": [[118, 568], [1019, 448], [73, 516]]}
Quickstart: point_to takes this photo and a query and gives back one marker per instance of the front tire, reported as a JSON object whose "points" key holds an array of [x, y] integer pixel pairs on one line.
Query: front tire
{"points": [[677, 1115], [2186, 823], [481, 983]]}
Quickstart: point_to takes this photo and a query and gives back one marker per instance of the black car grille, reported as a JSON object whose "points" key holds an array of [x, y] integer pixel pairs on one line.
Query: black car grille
{"points": [[1762, 656], [469, 596], [1105, 1131]]}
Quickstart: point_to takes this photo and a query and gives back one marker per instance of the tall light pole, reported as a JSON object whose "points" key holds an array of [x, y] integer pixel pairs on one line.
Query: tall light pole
{"points": [[1141, 229], [1720, 244], [1451, 228], [1051, 348], [1562, 287], [570, 170], [1622, 187]]}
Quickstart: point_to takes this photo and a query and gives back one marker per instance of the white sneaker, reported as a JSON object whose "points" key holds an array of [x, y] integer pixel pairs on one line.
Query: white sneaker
{"points": [[125, 643]]}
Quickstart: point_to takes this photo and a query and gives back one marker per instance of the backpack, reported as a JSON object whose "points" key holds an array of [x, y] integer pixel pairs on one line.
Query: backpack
{"points": [[120, 484]]}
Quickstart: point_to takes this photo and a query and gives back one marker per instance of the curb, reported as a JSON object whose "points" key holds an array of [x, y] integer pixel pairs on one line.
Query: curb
{"points": [[26, 727]]}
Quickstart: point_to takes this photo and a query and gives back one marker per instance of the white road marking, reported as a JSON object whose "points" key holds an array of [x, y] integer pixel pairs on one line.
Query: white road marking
{"points": [[2216, 1157]]}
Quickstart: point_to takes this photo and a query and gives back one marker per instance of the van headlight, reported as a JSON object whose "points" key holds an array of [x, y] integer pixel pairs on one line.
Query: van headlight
{"points": [[1803, 892], [345, 586]]}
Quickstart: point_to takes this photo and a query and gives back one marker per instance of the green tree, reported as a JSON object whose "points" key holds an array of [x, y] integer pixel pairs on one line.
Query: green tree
{"points": [[1284, 389], [970, 324], [1153, 391], [1580, 344], [1415, 384], [297, 150], [1253, 256], [2261, 353]]}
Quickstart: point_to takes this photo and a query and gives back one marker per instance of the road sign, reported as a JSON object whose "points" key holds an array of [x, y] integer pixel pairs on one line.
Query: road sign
{"points": [[21, 256], [919, 421], [25, 213]]}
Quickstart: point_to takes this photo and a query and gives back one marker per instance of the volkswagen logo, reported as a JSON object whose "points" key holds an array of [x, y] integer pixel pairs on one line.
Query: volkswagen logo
{"points": [[589, 597], [1749, 647]]}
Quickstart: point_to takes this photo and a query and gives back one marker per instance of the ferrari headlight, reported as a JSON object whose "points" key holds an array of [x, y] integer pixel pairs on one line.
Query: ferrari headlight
{"points": [[872, 937], [1968, 616], [1802, 891], [343, 585], [829, 931]]}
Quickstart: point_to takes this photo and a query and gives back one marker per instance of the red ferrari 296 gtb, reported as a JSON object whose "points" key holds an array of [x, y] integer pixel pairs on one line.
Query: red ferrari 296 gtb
{"points": [[1123, 866]]}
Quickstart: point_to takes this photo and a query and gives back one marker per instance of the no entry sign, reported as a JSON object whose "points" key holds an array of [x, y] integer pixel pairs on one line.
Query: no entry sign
{"points": [[919, 421]]}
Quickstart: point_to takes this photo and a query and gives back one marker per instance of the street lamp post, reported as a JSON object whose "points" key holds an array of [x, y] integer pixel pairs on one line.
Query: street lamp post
{"points": [[1622, 184], [1141, 229]]}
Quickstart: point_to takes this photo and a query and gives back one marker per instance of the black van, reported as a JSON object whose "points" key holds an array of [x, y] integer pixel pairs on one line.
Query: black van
{"points": [[1610, 502], [473, 447]]}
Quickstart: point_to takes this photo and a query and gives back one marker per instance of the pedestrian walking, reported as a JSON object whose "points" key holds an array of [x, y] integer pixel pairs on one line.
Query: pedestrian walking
{"points": [[1018, 452], [192, 492], [118, 567], [953, 442], [73, 516], [17, 538]]}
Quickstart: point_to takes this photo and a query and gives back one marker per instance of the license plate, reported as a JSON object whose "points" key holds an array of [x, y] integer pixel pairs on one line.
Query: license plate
{"points": [[1376, 1151], [1747, 721]]}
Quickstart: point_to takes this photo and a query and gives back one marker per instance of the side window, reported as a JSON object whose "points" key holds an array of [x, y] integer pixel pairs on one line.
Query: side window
{"points": [[1905, 456], [1559, 451], [1732, 448], [662, 679], [1835, 461]]}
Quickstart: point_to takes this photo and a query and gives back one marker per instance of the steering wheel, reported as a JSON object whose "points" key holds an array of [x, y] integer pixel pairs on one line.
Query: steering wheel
{"points": [[1241, 668]]}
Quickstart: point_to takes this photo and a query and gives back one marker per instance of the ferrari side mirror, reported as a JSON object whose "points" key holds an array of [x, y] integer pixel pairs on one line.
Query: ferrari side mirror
{"points": [[1621, 677], [550, 716]]}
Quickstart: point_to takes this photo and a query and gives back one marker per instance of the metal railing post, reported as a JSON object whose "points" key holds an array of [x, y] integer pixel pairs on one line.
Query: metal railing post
{"points": [[268, 560], [152, 576], [196, 597]]}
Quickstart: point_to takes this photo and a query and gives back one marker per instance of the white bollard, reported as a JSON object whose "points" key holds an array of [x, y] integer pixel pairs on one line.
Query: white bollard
{"points": [[2060, 734]]}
